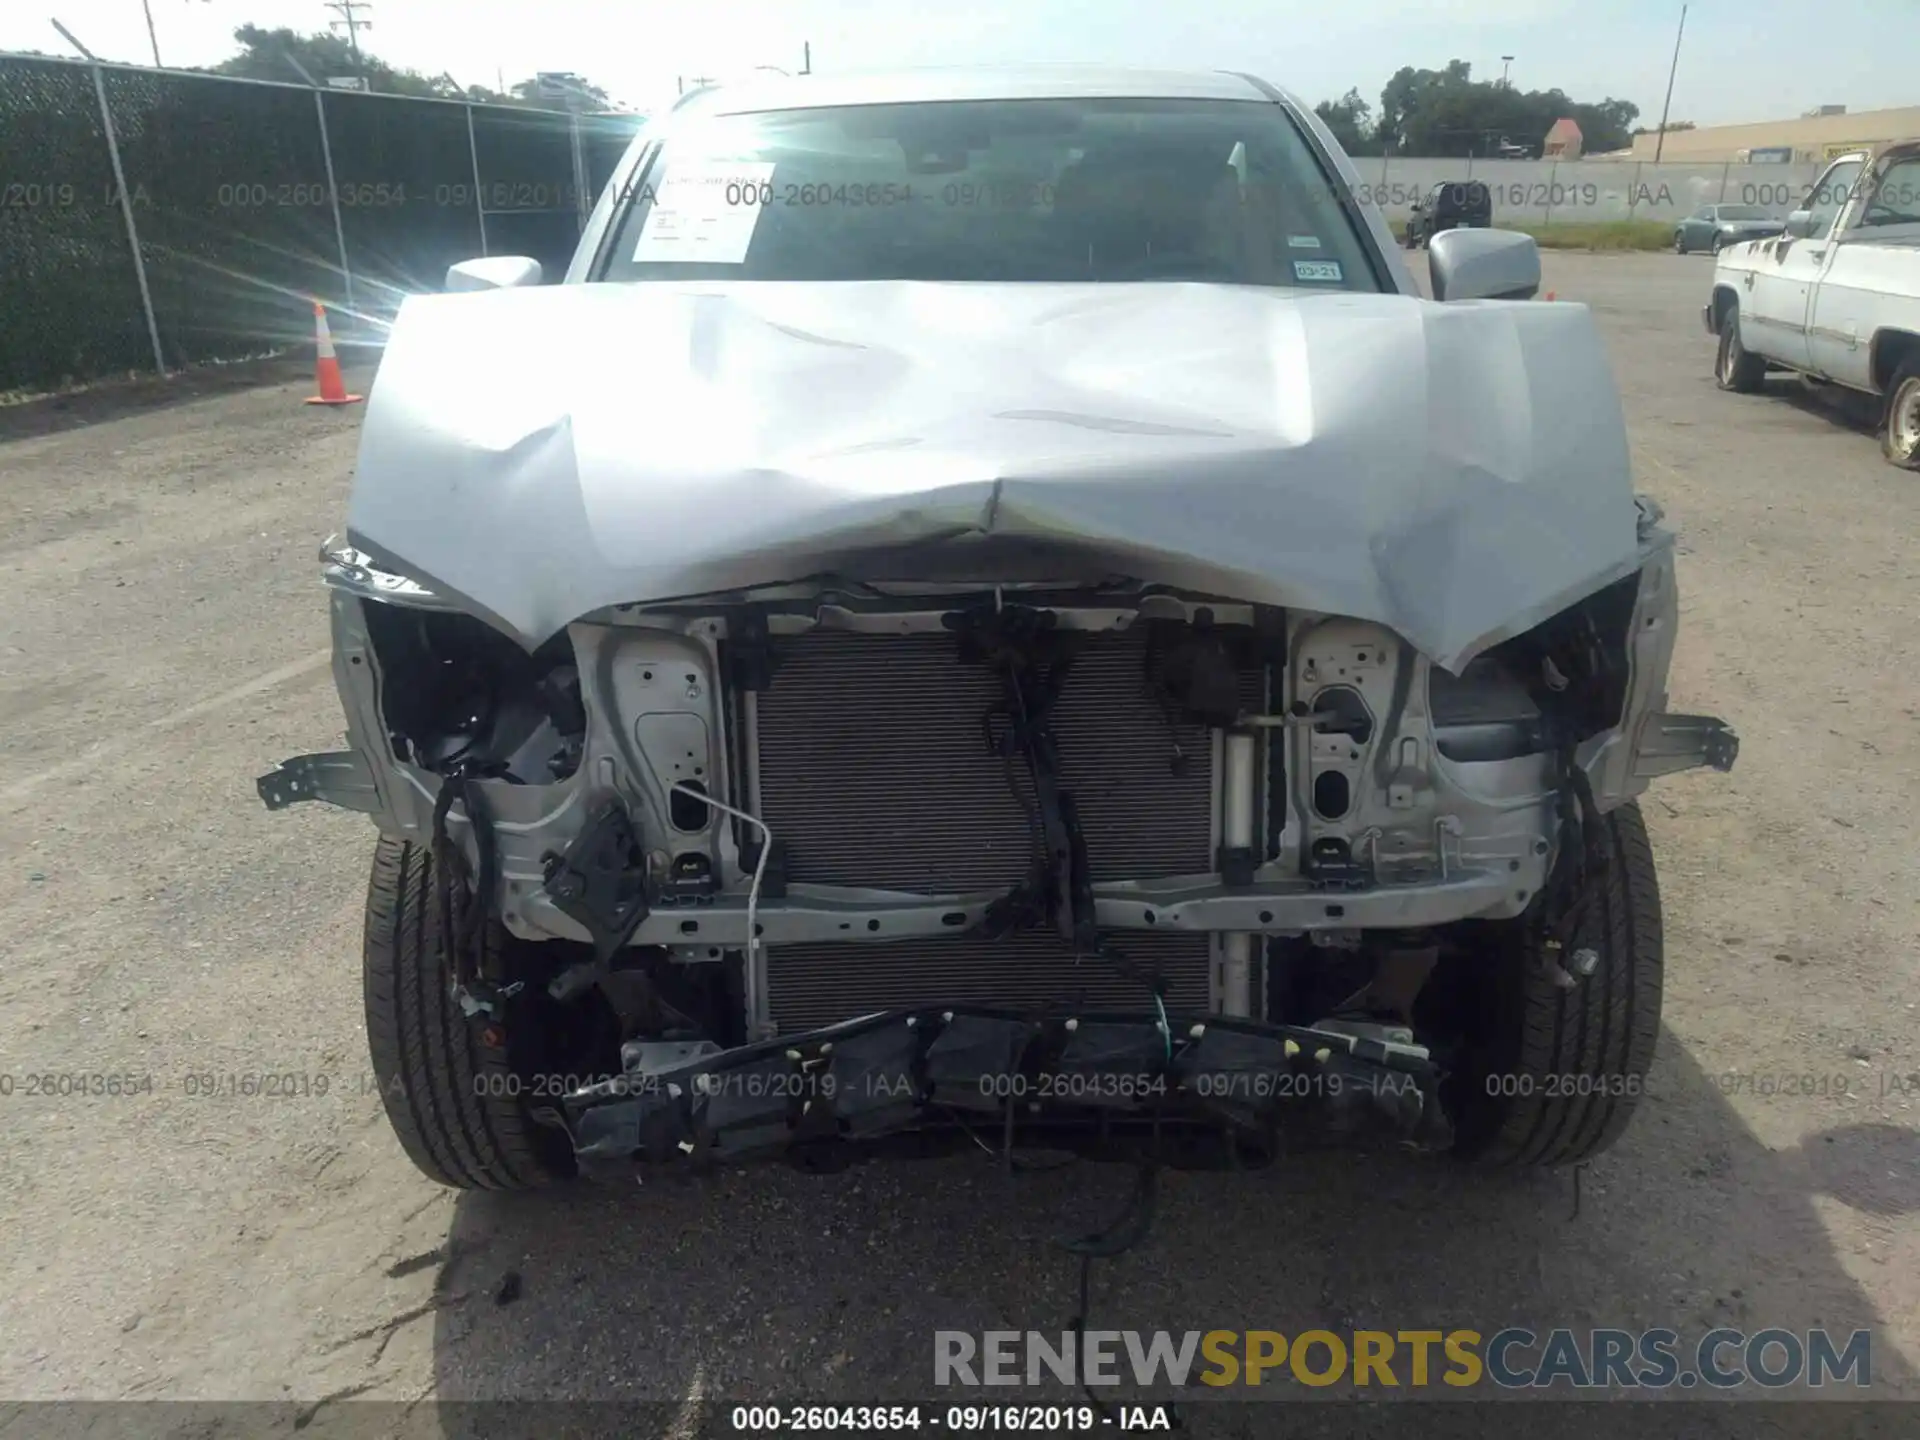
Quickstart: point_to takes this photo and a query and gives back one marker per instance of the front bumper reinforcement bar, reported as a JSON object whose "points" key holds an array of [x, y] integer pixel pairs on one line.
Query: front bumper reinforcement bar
{"points": [[841, 1088]]}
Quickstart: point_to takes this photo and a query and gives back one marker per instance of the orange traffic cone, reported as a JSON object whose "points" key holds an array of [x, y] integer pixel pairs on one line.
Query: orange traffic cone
{"points": [[326, 367], [1552, 296]]}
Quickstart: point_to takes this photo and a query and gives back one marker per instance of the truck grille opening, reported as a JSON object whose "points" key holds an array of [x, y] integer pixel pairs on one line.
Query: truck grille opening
{"points": [[875, 771]]}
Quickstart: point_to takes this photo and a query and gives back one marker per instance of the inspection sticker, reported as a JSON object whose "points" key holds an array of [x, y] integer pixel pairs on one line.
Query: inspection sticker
{"points": [[1317, 270], [705, 212]]}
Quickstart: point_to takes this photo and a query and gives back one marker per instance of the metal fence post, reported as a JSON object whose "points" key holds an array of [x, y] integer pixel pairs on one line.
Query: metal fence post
{"points": [[582, 202], [333, 192], [479, 196], [126, 213], [1726, 171], [1553, 180]]}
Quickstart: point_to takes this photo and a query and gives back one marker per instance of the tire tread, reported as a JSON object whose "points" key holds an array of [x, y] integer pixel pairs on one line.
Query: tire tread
{"points": [[1605, 1027], [456, 1127]]}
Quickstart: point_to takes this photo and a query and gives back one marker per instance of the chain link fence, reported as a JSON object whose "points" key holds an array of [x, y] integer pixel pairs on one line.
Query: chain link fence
{"points": [[244, 201], [1570, 192]]}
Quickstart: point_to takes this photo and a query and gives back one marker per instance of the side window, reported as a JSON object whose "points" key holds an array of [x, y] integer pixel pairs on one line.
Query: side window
{"points": [[1896, 199], [1830, 196]]}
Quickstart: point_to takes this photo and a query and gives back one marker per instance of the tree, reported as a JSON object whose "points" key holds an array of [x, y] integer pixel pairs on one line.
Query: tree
{"points": [[267, 55], [271, 55], [1448, 112], [1350, 118], [588, 95]]}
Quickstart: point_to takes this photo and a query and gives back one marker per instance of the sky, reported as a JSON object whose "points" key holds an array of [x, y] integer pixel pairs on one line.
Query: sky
{"points": [[1741, 60]]}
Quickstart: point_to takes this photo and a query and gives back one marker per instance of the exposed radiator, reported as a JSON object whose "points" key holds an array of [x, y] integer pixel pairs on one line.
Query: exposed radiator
{"points": [[875, 771]]}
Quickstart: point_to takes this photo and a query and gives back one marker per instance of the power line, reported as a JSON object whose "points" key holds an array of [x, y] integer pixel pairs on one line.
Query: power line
{"points": [[351, 22]]}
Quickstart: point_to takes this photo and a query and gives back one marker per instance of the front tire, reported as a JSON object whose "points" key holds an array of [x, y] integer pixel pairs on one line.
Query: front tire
{"points": [[453, 1101], [1900, 432], [1556, 1073], [1736, 368], [1679, 242]]}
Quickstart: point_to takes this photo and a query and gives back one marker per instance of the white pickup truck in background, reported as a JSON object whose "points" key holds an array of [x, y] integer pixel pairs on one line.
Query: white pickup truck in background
{"points": [[1837, 297]]}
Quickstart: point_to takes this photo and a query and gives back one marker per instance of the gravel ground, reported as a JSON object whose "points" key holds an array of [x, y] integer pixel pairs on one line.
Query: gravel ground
{"points": [[162, 641]]}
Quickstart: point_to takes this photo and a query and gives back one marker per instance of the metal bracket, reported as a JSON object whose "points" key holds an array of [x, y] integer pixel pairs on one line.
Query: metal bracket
{"points": [[1670, 743], [339, 777], [1236, 864], [601, 880], [485, 999]]}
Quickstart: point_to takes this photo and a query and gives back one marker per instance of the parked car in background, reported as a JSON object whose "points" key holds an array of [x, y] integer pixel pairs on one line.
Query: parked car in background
{"points": [[1714, 227], [1837, 296], [1450, 205]]}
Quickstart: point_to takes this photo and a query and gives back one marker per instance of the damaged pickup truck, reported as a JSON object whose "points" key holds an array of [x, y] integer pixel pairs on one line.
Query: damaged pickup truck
{"points": [[989, 606]]}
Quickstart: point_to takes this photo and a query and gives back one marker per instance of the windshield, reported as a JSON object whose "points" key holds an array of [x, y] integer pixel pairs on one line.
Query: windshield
{"points": [[1017, 190], [1742, 212]]}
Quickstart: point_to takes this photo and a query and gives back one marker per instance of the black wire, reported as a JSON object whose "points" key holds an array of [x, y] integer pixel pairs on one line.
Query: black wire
{"points": [[449, 869], [1015, 1163], [1131, 1225], [462, 893], [1121, 1234]]}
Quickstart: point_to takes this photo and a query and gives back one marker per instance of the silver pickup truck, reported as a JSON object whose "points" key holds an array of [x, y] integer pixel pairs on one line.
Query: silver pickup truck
{"points": [[927, 635], [1837, 296]]}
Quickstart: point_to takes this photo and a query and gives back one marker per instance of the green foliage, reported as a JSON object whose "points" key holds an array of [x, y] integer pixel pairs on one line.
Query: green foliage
{"points": [[264, 55], [1447, 112], [527, 92], [1582, 234], [1599, 234], [1350, 118]]}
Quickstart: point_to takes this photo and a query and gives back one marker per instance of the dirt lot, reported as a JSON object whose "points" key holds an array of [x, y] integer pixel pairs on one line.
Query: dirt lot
{"points": [[162, 641]]}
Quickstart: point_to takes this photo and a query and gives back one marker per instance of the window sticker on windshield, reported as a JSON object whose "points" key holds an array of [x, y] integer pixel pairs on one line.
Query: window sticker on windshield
{"points": [[1304, 242], [1317, 270], [705, 212]]}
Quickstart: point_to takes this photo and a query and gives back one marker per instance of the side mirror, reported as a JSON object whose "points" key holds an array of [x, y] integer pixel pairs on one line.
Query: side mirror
{"points": [[1483, 265], [496, 272], [1800, 224]]}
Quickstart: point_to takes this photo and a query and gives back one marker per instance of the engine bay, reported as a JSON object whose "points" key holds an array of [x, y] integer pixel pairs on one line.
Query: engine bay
{"points": [[1025, 795]]}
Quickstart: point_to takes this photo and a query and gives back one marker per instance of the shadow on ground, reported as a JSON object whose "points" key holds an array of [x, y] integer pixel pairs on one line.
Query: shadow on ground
{"points": [[768, 1284], [107, 400], [1843, 409]]}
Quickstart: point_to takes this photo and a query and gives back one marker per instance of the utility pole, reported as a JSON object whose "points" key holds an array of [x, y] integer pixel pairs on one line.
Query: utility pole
{"points": [[1506, 62], [1660, 142], [351, 22], [806, 57], [153, 37]]}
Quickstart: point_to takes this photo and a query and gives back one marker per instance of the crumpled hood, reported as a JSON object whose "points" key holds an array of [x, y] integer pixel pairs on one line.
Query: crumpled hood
{"points": [[1457, 472]]}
